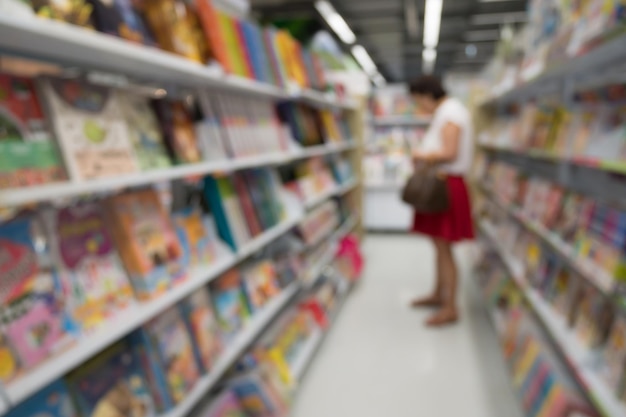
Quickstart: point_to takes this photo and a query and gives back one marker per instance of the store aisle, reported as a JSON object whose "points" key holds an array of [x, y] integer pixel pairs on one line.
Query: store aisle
{"points": [[380, 360]]}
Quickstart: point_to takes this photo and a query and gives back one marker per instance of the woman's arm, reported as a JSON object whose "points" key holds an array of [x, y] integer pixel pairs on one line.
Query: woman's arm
{"points": [[450, 137]]}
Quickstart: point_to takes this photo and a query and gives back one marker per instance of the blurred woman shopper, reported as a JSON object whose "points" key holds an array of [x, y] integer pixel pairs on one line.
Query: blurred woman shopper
{"points": [[449, 144]]}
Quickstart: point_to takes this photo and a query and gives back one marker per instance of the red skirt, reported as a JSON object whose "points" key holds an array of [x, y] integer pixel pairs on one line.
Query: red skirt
{"points": [[453, 225]]}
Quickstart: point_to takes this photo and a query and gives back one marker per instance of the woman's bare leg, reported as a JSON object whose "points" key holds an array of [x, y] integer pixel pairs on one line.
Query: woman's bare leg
{"points": [[448, 277], [436, 298]]}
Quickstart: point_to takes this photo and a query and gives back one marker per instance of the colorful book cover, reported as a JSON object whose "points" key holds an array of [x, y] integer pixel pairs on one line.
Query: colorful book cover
{"points": [[197, 245], [203, 327], [76, 12], [278, 70], [95, 284], [176, 28], [260, 284], [228, 26], [254, 49], [211, 138], [245, 48], [255, 396], [228, 213], [30, 294], [178, 127], [146, 241], [230, 303], [247, 205], [28, 151], [214, 34], [145, 132], [173, 348], [615, 353], [226, 405], [112, 384], [120, 18], [52, 401], [91, 128]]}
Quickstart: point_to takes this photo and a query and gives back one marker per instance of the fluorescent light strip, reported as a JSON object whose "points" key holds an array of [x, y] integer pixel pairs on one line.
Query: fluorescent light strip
{"points": [[364, 60], [497, 18], [335, 21], [378, 80], [429, 56], [432, 22]]}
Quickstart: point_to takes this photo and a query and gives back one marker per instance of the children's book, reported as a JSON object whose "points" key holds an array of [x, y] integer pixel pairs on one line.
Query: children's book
{"points": [[32, 320], [120, 18], [95, 284], [198, 246], [178, 127], [615, 353], [260, 284], [230, 303], [28, 151], [247, 205], [146, 240], [203, 327], [91, 129], [226, 405], [52, 401], [256, 397], [229, 217], [76, 12], [112, 384], [145, 132], [172, 348]]}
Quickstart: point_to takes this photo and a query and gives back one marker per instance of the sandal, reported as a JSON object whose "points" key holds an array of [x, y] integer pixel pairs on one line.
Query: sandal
{"points": [[443, 318]]}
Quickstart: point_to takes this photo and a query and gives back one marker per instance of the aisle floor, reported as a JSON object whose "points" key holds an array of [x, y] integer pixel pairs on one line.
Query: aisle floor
{"points": [[380, 360]]}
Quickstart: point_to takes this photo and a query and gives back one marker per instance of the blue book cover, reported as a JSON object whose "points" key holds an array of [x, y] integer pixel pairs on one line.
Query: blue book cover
{"points": [[52, 401], [213, 197], [253, 51]]}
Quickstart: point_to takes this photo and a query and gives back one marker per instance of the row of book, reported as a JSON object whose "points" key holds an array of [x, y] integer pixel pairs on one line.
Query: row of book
{"points": [[594, 319], [593, 132], [319, 223], [196, 30], [543, 388], [155, 367], [388, 159], [592, 232], [70, 269], [263, 383], [102, 132]]}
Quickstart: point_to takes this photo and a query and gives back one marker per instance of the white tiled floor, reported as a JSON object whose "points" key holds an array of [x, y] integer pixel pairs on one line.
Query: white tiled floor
{"points": [[380, 361]]}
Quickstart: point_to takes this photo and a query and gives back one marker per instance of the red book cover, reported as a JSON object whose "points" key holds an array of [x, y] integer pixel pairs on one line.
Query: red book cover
{"points": [[248, 208], [245, 52], [209, 20]]}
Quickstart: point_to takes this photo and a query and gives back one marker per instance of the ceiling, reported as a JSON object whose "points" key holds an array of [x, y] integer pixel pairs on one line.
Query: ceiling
{"points": [[381, 27]]}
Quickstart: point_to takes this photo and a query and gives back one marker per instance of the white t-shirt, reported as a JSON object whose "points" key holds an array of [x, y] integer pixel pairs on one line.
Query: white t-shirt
{"points": [[452, 110]]}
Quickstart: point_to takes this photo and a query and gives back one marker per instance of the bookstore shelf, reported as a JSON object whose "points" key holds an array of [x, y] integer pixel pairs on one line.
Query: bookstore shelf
{"points": [[615, 167], [384, 186], [400, 121], [306, 354], [599, 278], [599, 58], [580, 361], [236, 348], [335, 191], [34, 194], [134, 316], [62, 43]]}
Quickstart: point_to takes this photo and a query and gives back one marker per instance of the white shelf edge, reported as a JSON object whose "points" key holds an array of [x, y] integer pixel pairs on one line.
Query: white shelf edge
{"points": [[307, 351], [578, 359], [242, 341], [25, 195], [335, 191], [131, 318], [61, 42]]}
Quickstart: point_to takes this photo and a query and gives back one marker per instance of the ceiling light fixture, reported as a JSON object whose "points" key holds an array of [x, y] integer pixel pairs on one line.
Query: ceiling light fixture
{"points": [[432, 22], [335, 21], [471, 50], [378, 80], [364, 60], [429, 56], [497, 18], [411, 19]]}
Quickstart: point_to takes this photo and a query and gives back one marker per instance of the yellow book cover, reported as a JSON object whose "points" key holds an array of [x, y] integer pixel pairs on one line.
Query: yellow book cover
{"points": [[233, 47], [525, 364]]}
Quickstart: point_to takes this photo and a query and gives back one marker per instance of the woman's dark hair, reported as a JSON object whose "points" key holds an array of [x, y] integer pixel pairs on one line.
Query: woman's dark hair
{"points": [[428, 85]]}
